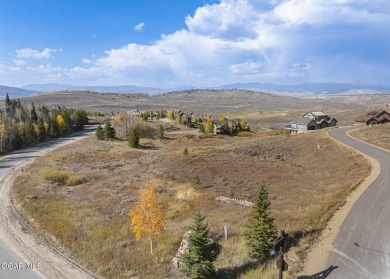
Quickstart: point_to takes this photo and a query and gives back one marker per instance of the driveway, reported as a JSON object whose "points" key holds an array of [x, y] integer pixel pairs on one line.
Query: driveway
{"points": [[362, 246]]}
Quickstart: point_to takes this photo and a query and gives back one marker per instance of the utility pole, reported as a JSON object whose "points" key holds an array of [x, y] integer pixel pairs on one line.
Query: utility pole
{"points": [[281, 264]]}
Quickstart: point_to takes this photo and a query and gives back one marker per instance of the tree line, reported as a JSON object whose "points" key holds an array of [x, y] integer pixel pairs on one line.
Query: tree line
{"points": [[22, 126]]}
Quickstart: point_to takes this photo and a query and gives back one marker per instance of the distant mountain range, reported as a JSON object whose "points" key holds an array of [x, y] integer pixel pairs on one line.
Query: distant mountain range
{"points": [[305, 88], [15, 92], [308, 88]]}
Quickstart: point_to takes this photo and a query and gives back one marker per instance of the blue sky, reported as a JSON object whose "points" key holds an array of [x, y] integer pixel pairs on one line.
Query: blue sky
{"points": [[200, 43]]}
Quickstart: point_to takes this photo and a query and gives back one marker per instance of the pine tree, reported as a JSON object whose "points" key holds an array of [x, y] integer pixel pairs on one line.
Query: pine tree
{"points": [[261, 230], [198, 261], [185, 152], [33, 113], [99, 132], [133, 138], [160, 132], [109, 131]]}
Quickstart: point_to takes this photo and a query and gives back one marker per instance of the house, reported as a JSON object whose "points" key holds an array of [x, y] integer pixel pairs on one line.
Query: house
{"points": [[218, 126], [311, 120], [185, 118], [375, 117], [233, 125]]}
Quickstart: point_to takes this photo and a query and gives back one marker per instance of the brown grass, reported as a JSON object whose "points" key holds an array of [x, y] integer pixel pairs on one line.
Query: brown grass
{"points": [[90, 220], [377, 135]]}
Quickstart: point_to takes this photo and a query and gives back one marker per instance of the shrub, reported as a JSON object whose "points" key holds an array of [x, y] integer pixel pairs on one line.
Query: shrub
{"points": [[74, 180], [56, 176], [63, 177]]}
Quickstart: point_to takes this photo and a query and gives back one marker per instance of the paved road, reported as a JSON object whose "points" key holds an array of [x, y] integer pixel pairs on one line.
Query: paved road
{"points": [[362, 247], [14, 263]]}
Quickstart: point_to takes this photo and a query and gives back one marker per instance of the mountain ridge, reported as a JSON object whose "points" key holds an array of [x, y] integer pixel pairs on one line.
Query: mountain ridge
{"points": [[290, 90]]}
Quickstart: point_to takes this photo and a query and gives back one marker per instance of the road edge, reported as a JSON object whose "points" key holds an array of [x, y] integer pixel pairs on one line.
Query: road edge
{"points": [[318, 255], [29, 244]]}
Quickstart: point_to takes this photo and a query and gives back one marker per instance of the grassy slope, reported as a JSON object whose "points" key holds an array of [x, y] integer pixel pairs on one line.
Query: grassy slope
{"points": [[377, 135], [90, 220]]}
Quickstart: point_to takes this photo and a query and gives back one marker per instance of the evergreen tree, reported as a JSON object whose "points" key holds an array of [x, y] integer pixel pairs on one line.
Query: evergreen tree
{"points": [[160, 132], [185, 152], [99, 132], [133, 138], [261, 230], [41, 130], [198, 260], [33, 113], [7, 104], [109, 131]]}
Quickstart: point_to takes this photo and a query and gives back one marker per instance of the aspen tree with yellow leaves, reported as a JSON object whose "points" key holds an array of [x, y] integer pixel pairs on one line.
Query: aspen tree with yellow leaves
{"points": [[171, 114], [61, 124], [147, 216]]}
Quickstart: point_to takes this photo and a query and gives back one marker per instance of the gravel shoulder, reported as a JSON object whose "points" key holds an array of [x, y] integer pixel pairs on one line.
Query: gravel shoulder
{"points": [[16, 234]]}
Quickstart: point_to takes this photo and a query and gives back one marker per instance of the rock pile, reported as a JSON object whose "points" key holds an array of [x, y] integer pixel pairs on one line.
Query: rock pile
{"points": [[182, 249], [234, 200]]}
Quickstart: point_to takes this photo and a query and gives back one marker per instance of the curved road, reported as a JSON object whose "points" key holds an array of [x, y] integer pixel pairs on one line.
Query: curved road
{"points": [[362, 247], [22, 254]]}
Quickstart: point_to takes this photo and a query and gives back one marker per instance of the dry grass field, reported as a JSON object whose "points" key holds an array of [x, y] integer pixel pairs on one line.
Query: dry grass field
{"points": [[377, 135], [89, 219]]}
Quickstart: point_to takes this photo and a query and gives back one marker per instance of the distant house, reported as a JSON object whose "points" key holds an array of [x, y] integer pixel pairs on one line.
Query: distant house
{"points": [[375, 117], [234, 124], [185, 117], [310, 121], [218, 126], [135, 112]]}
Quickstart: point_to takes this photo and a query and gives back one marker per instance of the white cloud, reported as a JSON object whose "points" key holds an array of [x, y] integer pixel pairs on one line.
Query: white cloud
{"points": [[47, 68], [28, 53], [19, 62], [139, 27], [86, 61], [251, 40]]}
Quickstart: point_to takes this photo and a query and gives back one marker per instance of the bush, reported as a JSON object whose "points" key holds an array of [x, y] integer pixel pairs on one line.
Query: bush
{"points": [[63, 177], [56, 176], [74, 180]]}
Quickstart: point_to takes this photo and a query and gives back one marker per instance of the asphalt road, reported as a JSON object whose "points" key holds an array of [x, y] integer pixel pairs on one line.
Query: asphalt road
{"points": [[13, 264], [362, 247]]}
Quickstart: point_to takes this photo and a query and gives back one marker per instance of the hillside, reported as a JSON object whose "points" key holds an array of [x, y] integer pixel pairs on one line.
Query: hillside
{"points": [[204, 101], [97, 229], [15, 92]]}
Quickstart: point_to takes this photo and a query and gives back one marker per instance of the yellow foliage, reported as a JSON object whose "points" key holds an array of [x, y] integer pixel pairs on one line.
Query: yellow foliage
{"points": [[46, 125], [61, 123], [120, 117], [36, 129], [222, 118], [242, 124], [170, 114], [147, 217], [207, 126]]}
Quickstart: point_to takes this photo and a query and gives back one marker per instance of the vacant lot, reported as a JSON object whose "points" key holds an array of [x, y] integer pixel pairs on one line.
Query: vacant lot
{"points": [[306, 185], [377, 135]]}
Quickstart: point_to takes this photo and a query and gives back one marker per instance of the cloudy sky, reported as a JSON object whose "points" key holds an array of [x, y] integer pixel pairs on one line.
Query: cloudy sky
{"points": [[199, 42]]}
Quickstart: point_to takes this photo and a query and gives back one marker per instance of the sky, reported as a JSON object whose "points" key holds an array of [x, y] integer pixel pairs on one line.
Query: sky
{"points": [[167, 44]]}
